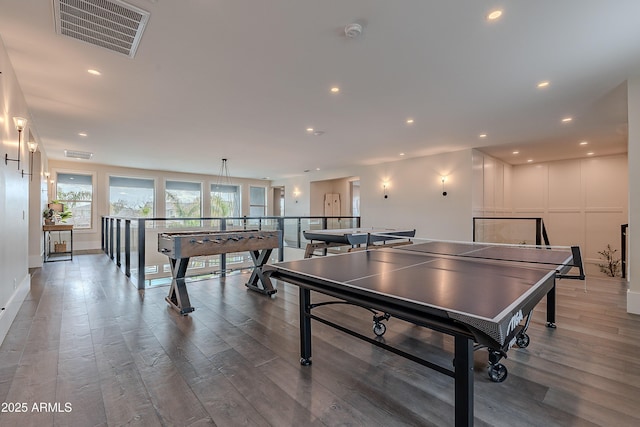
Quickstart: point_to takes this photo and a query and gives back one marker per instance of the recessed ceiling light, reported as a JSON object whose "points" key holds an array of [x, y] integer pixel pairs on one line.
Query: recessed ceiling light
{"points": [[516, 152], [317, 169], [590, 153], [543, 84], [82, 133], [583, 143], [495, 14], [94, 72], [402, 154], [409, 121], [335, 89], [482, 135], [529, 160], [567, 119], [310, 130]]}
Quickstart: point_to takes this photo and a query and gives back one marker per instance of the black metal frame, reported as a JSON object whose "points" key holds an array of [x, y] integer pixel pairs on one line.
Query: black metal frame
{"points": [[623, 249], [466, 337], [47, 255], [462, 371], [178, 297], [541, 231]]}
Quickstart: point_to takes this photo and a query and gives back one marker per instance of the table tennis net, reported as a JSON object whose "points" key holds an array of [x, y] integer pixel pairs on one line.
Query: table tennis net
{"points": [[564, 257]]}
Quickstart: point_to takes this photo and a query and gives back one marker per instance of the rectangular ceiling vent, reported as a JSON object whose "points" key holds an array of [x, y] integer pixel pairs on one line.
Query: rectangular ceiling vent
{"points": [[110, 24], [78, 154]]}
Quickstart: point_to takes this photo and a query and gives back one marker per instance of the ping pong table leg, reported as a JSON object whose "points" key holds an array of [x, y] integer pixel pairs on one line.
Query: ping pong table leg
{"points": [[305, 326], [551, 307], [463, 378]]}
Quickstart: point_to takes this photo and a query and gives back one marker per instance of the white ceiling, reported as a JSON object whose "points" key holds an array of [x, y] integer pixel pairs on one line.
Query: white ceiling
{"points": [[244, 79]]}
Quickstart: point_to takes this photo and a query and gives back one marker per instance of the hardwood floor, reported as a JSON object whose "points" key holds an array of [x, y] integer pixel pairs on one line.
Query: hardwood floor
{"points": [[95, 352]]}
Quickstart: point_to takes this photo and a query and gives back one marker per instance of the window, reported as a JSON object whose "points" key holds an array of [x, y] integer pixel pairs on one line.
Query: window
{"points": [[225, 200], [75, 192], [257, 201], [183, 199], [131, 197]]}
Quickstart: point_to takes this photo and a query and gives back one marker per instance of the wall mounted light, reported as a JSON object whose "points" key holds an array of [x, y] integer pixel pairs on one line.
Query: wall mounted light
{"points": [[443, 179], [296, 194], [385, 188], [20, 124], [33, 146]]}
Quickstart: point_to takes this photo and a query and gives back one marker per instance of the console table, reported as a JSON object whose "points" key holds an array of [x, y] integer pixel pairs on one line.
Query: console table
{"points": [[57, 246]]}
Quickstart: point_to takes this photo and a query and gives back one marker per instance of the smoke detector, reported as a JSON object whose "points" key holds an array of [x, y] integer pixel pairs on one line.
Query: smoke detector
{"points": [[353, 30]]}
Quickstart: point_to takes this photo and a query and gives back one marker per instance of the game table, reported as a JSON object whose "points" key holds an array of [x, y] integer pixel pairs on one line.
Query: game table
{"points": [[180, 247], [356, 238], [481, 294]]}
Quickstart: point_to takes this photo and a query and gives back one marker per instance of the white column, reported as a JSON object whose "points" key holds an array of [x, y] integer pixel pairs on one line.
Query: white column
{"points": [[633, 233]]}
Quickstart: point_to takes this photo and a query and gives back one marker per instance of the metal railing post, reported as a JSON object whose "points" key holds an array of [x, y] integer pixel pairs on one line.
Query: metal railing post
{"points": [[223, 257], [111, 238], [127, 247], [141, 250], [623, 249], [281, 239], [118, 249]]}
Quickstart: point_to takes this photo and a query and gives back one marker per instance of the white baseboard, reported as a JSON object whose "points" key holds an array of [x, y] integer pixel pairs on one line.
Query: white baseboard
{"points": [[8, 314], [633, 302], [35, 261]]}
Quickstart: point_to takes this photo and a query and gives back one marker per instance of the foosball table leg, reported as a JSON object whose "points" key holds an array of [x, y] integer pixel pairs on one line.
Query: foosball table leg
{"points": [[178, 297], [258, 281]]}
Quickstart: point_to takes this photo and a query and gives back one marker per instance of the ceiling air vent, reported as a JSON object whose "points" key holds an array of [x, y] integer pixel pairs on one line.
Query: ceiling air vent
{"points": [[110, 24], [78, 154]]}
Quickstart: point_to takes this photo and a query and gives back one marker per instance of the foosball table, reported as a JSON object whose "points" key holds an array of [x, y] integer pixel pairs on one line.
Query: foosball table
{"points": [[181, 246]]}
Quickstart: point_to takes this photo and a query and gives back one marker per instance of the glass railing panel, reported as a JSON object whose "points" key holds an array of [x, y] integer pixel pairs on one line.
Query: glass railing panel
{"points": [[155, 268], [521, 231]]}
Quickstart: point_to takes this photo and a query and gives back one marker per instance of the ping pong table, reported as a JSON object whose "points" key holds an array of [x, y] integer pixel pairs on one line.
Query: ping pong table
{"points": [[481, 294], [355, 237]]}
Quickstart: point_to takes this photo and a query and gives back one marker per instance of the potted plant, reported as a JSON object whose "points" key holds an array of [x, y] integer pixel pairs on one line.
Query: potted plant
{"points": [[611, 264], [56, 212], [48, 215]]}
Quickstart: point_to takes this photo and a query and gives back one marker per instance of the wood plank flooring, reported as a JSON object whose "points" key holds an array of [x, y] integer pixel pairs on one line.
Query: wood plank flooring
{"points": [[87, 349]]}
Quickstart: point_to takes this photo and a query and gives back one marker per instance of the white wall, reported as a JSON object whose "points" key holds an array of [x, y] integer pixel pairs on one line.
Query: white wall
{"points": [[491, 186], [583, 201], [318, 190], [14, 199], [414, 194], [415, 197], [633, 234]]}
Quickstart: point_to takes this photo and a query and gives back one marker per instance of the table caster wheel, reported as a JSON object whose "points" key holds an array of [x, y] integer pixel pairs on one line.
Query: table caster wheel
{"points": [[497, 373], [305, 362], [379, 329], [522, 340]]}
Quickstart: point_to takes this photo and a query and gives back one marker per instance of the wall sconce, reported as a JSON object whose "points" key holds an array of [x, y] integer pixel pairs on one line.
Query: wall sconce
{"points": [[20, 123], [33, 146], [296, 194], [443, 179], [385, 187]]}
